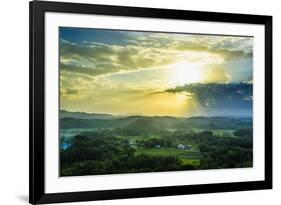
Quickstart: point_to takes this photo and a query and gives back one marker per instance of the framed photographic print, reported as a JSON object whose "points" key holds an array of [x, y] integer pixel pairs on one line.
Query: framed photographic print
{"points": [[140, 102]]}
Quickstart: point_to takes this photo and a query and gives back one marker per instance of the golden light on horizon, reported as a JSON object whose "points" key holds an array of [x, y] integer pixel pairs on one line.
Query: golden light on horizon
{"points": [[165, 104]]}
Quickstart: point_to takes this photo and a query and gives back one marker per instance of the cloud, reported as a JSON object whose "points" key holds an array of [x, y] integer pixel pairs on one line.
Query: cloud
{"points": [[97, 59], [230, 54], [92, 71], [145, 50], [218, 95], [227, 47], [71, 91], [216, 74]]}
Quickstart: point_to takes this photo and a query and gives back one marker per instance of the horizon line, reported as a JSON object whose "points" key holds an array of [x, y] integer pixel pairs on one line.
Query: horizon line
{"points": [[142, 115]]}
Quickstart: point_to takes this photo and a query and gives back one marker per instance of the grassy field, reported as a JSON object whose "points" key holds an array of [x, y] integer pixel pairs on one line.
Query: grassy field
{"points": [[185, 156], [219, 132], [162, 151], [194, 162], [136, 137]]}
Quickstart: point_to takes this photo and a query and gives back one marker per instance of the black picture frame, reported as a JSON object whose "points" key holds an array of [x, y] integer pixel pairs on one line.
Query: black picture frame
{"points": [[37, 194]]}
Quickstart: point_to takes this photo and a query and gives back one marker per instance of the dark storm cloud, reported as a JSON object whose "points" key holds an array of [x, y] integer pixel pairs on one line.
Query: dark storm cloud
{"points": [[71, 91], [215, 95]]}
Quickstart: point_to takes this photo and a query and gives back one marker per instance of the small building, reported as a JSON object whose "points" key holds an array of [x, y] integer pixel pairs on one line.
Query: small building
{"points": [[157, 146], [131, 142], [180, 146]]}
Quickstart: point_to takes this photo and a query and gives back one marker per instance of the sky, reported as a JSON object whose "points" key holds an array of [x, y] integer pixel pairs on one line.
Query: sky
{"points": [[154, 73]]}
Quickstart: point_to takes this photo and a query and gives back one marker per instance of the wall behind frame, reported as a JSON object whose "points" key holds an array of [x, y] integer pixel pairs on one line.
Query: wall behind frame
{"points": [[14, 101]]}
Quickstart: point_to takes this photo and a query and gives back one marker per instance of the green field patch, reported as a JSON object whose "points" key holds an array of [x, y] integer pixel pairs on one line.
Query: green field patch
{"points": [[185, 156], [166, 152], [191, 155], [162, 152], [136, 137], [218, 132], [194, 162]]}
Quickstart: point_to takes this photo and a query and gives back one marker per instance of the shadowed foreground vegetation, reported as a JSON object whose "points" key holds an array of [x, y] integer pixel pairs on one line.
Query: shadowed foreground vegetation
{"points": [[118, 150]]}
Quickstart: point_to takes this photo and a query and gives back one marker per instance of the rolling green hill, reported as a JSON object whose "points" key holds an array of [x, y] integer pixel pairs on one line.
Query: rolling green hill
{"points": [[152, 124]]}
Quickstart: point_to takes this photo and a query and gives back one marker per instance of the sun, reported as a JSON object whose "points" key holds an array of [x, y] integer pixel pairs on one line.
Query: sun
{"points": [[184, 73]]}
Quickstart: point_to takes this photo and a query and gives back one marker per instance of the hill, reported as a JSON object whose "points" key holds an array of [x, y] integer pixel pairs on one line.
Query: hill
{"points": [[140, 126], [83, 115], [149, 124]]}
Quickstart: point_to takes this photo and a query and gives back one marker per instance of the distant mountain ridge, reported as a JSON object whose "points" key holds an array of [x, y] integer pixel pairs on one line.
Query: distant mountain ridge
{"points": [[87, 120], [84, 115]]}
